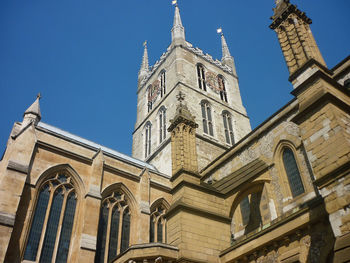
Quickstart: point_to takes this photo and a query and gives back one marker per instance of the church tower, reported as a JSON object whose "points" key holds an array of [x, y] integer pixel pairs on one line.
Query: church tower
{"points": [[212, 96]]}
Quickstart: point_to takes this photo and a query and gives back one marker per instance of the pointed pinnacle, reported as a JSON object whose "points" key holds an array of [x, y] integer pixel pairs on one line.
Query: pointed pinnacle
{"points": [[144, 65], [225, 51], [34, 108]]}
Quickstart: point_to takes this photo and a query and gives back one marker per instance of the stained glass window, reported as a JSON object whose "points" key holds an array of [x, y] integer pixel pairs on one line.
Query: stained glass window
{"points": [[108, 245], [62, 194], [113, 238], [292, 172], [102, 232], [157, 224], [66, 231], [52, 225], [125, 231], [37, 225]]}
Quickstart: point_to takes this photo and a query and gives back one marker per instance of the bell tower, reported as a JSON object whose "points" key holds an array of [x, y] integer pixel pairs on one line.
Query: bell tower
{"points": [[212, 96]]}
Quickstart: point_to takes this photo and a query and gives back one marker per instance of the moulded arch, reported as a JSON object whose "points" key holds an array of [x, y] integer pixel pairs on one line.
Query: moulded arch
{"points": [[161, 109], [77, 181], [120, 186], [158, 202]]}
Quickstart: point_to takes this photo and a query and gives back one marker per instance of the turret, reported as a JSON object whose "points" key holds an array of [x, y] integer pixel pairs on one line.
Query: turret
{"points": [[295, 37]]}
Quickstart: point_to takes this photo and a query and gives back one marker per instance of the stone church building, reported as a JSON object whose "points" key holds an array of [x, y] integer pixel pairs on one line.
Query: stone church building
{"points": [[200, 186]]}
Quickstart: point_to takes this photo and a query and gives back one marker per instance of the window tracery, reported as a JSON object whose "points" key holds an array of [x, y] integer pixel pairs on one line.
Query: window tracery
{"points": [[207, 118], [222, 88], [53, 219], [158, 225], [114, 227], [201, 77], [229, 136]]}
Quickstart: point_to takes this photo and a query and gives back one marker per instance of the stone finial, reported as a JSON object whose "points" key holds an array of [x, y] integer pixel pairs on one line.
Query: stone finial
{"points": [[32, 114], [178, 31], [144, 65]]}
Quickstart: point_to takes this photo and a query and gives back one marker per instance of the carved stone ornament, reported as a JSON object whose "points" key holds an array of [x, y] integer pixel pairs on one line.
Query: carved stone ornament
{"points": [[211, 80], [154, 91]]}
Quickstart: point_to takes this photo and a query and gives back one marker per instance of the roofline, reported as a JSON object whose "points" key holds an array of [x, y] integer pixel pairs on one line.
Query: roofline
{"points": [[94, 146]]}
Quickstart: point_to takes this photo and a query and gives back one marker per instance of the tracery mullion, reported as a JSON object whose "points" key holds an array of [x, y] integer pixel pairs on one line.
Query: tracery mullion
{"points": [[49, 205], [114, 234], [164, 229], [59, 228], [121, 216], [108, 231], [53, 221], [156, 229]]}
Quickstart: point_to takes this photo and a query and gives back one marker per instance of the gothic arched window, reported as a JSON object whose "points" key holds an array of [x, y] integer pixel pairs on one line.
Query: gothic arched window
{"points": [[157, 228], [162, 84], [113, 228], [162, 124], [52, 223], [207, 119], [292, 171], [227, 119], [201, 77], [223, 94], [148, 139]]}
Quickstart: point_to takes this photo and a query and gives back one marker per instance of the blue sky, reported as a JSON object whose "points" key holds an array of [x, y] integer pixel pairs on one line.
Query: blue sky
{"points": [[84, 56]]}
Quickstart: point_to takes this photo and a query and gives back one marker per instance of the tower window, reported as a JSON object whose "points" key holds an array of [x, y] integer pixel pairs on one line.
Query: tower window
{"points": [[115, 217], [148, 139], [207, 119], [162, 84], [292, 171], [228, 128], [201, 77], [149, 106], [223, 93], [46, 240], [162, 124]]}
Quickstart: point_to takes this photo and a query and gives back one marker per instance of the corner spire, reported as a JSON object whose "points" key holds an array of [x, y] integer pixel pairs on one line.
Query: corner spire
{"points": [[32, 114], [144, 65], [178, 31], [227, 59]]}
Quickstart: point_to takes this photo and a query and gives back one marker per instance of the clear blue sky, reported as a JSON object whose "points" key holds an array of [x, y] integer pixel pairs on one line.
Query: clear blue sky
{"points": [[84, 56]]}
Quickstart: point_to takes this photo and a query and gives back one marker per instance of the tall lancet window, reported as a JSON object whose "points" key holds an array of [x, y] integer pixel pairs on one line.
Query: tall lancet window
{"points": [[223, 93], [113, 228], [227, 119], [158, 224], [206, 118], [52, 224], [292, 171], [162, 124], [148, 136], [162, 84], [201, 77]]}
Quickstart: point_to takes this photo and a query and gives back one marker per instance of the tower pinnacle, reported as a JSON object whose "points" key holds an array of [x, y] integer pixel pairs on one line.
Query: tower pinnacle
{"points": [[227, 59], [32, 114], [144, 65], [178, 31]]}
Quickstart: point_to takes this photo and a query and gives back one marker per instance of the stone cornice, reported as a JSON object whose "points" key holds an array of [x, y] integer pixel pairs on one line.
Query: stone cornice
{"points": [[283, 13]]}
